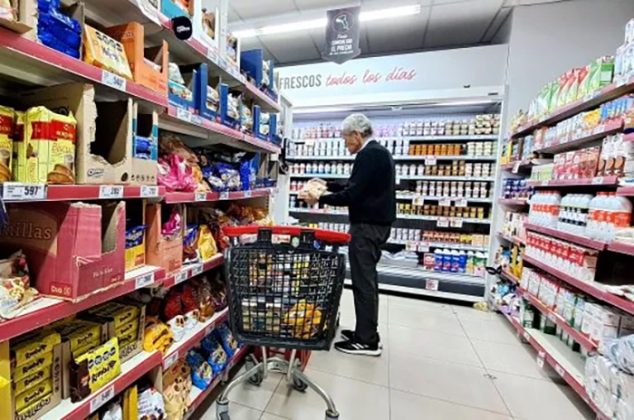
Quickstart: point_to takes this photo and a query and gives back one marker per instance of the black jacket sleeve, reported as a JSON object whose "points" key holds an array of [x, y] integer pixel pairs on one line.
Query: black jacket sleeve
{"points": [[360, 180], [335, 186]]}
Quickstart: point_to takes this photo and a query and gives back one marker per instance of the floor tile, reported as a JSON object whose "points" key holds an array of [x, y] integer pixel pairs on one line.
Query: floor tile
{"points": [[346, 308], [534, 399], [509, 358], [420, 304], [468, 312], [269, 416], [496, 329], [404, 405], [367, 369], [424, 319], [433, 344], [355, 400], [462, 384], [236, 411], [255, 396]]}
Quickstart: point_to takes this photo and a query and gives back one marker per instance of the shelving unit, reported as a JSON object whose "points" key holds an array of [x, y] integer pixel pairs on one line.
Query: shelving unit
{"points": [[550, 349], [410, 279], [27, 63]]}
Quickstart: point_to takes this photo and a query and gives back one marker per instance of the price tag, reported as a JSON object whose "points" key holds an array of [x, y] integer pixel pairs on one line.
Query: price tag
{"points": [[149, 191], [110, 191], [182, 276], [456, 223], [101, 398], [197, 269], [444, 203], [170, 360], [516, 167], [597, 180], [411, 246], [431, 284], [560, 371], [442, 222], [418, 200], [461, 203], [20, 191], [248, 193], [183, 114], [144, 281], [224, 195], [423, 248], [540, 359], [196, 120], [430, 160], [200, 196], [112, 80]]}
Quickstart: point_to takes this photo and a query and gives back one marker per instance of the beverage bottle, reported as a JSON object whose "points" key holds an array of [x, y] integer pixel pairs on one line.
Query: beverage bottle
{"points": [[470, 262], [620, 217], [455, 261], [438, 260], [462, 256]]}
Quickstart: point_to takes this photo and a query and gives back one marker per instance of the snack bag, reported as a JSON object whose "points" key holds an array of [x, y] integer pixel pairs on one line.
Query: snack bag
{"points": [[15, 290], [47, 154], [157, 336], [201, 371], [93, 369], [225, 337], [151, 405], [7, 130], [216, 356], [304, 318], [190, 244], [206, 243]]}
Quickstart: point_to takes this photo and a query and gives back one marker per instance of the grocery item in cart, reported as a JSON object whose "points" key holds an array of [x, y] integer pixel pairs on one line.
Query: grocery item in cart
{"points": [[304, 319]]}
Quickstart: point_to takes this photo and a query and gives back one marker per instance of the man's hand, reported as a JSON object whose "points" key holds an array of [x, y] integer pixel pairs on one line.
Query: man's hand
{"points": [[307, 197]]}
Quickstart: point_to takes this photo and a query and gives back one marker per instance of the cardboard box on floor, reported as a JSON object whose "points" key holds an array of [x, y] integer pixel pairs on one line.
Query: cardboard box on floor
{"points": [[132, 36], [73, 249], [161, 251]]}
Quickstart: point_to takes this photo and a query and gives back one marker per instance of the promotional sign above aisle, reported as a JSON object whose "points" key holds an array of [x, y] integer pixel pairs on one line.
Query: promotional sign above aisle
{"points": [[452, 74]]}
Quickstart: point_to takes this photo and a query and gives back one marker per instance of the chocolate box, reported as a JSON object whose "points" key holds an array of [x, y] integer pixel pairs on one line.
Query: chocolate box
{"points": [[73, 249]]}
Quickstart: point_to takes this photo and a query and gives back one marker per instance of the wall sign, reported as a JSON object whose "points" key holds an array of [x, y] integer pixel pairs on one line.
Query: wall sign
{"points": [[342, 35]]}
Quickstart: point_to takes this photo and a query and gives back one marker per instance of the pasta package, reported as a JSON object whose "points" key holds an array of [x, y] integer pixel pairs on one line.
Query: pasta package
{"points": [[102, 51], [7, 131], [47, 152], [93, 369]]}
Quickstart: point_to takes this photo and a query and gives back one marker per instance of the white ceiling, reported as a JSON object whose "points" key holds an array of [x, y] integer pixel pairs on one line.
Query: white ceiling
{"points": [[441, 24]]}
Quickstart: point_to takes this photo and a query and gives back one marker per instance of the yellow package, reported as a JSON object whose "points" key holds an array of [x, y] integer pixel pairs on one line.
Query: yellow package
{"points": [[32, 410], [93, 369], [121, 314], [131, 327], [131, 403], [31, 367], [35, 347], [104, 52], [47, 153], [7, 131], [27, 382], [33, 394], [206, 244], [157, 336], [81, 334]]}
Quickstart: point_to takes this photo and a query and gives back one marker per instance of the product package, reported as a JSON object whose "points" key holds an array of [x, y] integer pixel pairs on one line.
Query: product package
{"points": [[7, 130], [202, 373], [102, 51], [15, 289], [93, 369]]}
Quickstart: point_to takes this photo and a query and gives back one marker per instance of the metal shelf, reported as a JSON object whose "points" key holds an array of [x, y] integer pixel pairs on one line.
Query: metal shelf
{"points": [[574, 142], [462, 247], [566, 236], [597, 181], [399, 157], [192, 197]]}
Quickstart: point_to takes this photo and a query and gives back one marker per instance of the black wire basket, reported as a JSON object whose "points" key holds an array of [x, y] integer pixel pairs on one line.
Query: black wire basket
{"points": [[285, 294]]}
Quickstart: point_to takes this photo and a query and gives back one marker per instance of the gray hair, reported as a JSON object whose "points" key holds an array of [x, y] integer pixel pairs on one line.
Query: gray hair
{"points": [[359, 123]]}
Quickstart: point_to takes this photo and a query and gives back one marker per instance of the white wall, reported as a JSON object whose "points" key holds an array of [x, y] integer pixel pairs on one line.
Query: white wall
{"points": [[548, 39]]}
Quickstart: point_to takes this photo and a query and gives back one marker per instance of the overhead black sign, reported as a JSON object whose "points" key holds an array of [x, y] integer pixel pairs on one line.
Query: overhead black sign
{"points": [[342, 35]]}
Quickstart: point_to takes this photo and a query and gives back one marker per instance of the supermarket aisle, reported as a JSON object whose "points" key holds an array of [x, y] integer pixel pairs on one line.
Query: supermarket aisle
{"points": [[440, 362]]}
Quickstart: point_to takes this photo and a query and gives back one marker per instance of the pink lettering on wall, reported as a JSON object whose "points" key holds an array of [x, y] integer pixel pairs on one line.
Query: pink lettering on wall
{"points": [[344, 79], [370, 77], [399, 73]]}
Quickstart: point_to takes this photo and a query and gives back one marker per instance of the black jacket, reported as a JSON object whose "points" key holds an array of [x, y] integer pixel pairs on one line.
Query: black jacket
{"points": [[370, 192]]}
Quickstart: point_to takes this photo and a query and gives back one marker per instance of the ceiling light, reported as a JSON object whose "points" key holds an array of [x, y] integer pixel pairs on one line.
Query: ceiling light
{"points": [[367, 16]]}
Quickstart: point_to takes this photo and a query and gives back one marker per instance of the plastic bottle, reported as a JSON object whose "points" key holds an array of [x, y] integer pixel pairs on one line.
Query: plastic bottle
{"points": [[618, 216], [446, 260], [438, 260], [479, 263], [593, 216], [470, 262], [462, 266], [455, 261]]}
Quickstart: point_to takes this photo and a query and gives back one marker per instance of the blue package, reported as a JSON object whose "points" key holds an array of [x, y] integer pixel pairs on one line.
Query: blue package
{"points": [[216, 356], [226, 339], [134, 236], [56, 30], [201, 371]]}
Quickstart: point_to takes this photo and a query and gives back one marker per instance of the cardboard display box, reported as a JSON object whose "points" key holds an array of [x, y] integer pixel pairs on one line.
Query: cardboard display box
{"points": [[152, 76], [73, 249], [206, 23], [226, 116], [104, 131], [144, 147], [24, 17], [189, 74], [201, 93], [161, 251], [260, 71]]}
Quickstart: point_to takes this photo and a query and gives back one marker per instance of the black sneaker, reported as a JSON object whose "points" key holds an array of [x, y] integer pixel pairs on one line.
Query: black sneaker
{"points": [[353, 347], [349, 335]]}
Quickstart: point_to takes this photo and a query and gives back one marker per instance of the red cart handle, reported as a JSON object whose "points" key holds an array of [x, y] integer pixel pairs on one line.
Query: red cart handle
{"points": [[328, 236]]}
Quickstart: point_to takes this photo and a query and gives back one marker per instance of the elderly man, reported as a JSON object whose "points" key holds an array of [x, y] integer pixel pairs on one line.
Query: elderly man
{"points": [[370, 196]]}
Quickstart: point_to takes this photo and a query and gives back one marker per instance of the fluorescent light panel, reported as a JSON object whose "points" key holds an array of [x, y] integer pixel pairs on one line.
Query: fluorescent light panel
{"points": [[368, 16]]}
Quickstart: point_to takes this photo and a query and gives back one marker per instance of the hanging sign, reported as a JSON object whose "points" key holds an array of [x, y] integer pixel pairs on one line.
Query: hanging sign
{"points": [[342, 35]]}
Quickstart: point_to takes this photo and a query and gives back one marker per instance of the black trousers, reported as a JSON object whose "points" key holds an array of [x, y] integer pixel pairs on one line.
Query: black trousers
{"points": [[364, 253]]}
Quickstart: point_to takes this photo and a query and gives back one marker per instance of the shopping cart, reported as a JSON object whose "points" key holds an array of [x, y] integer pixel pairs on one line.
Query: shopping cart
{"points": [[283, 290]]}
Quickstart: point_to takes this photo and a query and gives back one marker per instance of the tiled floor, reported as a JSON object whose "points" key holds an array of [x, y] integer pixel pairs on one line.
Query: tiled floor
{"points": [[440, 362]]}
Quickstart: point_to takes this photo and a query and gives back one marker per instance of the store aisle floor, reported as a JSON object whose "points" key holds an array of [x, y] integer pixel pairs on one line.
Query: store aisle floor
{"points": [[440, 362]]}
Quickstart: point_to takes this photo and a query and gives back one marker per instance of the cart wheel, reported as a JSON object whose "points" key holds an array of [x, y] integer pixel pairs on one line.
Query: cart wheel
{"points": [[331, 417], [225, 416], [257, 378], [299, 385], [222, 411]]}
